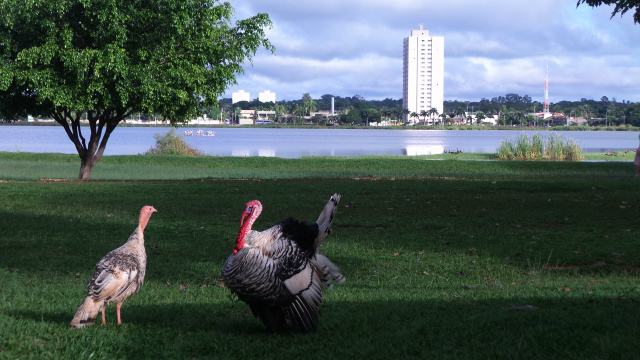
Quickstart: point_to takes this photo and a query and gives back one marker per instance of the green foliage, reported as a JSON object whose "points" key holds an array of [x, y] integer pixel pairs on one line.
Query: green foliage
{"points": [[164, 57], [106, 59], [621, 6], [170, 143], [534, 148]]}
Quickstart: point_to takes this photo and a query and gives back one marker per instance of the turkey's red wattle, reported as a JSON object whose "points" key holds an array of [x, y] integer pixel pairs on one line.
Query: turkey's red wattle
{"points": [[249, 215]]}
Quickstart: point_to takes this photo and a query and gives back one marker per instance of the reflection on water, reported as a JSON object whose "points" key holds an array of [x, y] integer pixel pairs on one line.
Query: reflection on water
{"points": [[414, 150], [253, 152], [267, 152], [240, 152]]}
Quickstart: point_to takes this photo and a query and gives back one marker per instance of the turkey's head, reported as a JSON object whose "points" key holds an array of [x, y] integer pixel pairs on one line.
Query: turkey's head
{"points": [[145, 214], [251, 212]]}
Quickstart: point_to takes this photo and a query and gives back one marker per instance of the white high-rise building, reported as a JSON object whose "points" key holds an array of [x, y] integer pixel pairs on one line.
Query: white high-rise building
{"points": [[240, 95], [267, 96], [423, 73]]}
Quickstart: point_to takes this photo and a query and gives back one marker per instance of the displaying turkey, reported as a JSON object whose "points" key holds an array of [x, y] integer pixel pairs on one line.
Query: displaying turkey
{"points": [[278, 272], [117, 276]]}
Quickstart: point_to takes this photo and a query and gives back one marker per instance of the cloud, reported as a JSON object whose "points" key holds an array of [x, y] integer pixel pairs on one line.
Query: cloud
{"points": [[491, 49]]}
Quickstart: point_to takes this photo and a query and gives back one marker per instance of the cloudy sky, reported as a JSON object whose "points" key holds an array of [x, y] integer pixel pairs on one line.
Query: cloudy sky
{"points": [[349, 47]]}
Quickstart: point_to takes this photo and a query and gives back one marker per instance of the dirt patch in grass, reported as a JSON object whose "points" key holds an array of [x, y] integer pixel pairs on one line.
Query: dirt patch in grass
{"points": [[599, 264]]}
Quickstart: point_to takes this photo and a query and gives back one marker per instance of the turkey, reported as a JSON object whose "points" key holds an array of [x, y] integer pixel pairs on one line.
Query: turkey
{"points": [[278, 272], [116, 277]]}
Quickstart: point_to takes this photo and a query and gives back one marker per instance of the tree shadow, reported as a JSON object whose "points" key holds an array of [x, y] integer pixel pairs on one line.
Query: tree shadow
{"points": [[468, 328]]}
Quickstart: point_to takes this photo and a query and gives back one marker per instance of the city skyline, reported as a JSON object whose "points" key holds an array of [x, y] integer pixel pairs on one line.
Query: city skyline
{"points": [[355, 48]]}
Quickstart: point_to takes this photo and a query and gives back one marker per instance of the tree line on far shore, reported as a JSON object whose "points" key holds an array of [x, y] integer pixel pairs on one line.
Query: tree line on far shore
{"points": [[511, 109]]}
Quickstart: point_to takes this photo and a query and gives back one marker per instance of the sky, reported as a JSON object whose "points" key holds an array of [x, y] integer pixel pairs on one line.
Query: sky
{"points": [[492, 48]]}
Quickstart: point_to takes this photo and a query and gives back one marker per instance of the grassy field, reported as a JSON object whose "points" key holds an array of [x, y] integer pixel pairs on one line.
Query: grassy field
{"points": [[438, 255], [19, 166]]}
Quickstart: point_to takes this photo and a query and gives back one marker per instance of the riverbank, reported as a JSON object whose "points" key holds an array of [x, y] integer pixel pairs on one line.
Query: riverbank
{"points": [[316, 126]]}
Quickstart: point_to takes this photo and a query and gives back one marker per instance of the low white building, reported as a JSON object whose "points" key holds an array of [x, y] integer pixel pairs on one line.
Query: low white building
{"points": [[267, 96], [240, 95], [246, 117], [265, 114]]}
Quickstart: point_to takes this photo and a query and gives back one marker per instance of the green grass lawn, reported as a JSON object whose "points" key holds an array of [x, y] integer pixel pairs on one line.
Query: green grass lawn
{"points": [[434, 262], [30, 166]]}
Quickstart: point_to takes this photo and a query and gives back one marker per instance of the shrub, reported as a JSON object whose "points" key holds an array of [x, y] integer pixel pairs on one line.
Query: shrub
{"points": [[537, 147], [170, 143], [524, 148], [572, 150]]}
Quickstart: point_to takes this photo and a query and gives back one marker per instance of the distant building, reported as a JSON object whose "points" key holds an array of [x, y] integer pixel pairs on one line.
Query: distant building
{"points": [[240, 95], [246, 117], [267, 96], [265, 115], [423, 72]]}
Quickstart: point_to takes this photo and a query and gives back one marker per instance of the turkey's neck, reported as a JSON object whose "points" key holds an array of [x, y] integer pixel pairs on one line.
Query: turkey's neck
{"points": [[144, 220], [137, 238], [245, 227]]}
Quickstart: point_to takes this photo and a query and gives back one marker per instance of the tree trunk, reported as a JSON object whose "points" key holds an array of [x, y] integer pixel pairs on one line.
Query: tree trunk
{"points": [[100, 126], [86, 165]]}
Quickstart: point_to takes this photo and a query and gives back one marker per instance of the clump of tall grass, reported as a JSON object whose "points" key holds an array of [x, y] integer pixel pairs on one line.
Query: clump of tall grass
{"points": [[170, 143], [535, 148]]}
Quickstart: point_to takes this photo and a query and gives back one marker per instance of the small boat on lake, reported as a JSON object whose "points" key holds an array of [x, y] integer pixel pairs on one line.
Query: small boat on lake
{"points": [[199, 133]]}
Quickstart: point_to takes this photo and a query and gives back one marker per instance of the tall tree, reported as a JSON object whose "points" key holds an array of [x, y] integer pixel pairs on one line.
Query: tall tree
{"points": [[280, 109], [298, 111], [460, 112], [107, 59], [405, 113], [433, 112], [309, 106], [414, 115], [621, 6], [445, 119], [423, 114]]}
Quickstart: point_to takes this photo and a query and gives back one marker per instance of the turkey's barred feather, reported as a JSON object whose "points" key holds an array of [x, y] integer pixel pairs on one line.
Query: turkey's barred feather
{"points": [[327, 270], [277, 271], [303, 316], [325, 219]]}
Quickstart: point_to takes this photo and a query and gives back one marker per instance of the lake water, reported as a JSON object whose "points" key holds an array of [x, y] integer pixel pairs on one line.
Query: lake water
{"points": [[295, 143]]}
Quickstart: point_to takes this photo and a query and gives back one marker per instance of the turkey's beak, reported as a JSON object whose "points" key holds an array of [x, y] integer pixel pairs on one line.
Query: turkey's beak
{"points": [[245, 214]]}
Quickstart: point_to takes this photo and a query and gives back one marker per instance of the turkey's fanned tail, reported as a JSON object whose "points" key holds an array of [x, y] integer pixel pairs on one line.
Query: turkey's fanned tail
{"points": [[325, 219]]}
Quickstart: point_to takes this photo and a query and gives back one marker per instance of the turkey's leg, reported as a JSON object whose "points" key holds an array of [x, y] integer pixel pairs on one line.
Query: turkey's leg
{"points": [[118, 305], [104, 320]]}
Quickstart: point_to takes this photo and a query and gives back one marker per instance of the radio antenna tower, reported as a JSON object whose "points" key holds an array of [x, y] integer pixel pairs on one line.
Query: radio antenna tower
{"points": [[546, 90]]}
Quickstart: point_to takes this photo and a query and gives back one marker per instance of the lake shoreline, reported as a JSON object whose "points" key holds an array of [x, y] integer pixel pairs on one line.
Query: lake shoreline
{"points": [[356, 127]]}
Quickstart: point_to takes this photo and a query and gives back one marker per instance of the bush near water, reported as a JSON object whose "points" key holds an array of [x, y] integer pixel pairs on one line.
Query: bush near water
{"points": [[535, 148], [170, 143]]}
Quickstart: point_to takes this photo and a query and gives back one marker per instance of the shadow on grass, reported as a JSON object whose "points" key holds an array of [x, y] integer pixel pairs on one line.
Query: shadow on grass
{"points": [[566, 327]]}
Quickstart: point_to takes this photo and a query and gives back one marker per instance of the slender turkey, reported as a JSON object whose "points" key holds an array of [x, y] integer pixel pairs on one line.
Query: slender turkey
{"points": [[117, 276], [278, 272]]}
